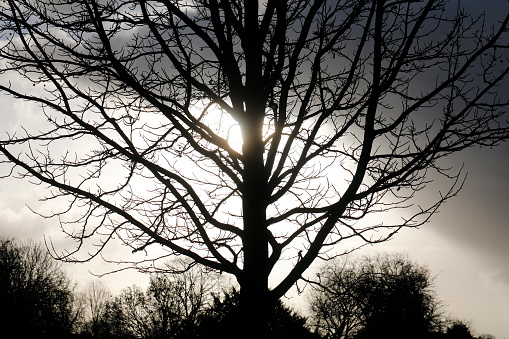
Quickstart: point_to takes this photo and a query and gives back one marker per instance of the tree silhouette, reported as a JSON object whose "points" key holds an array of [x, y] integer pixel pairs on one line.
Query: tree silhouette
{"points": [[345, 108], [169, 308], [378, 296], [36, 295], [336, 308], [95, 298], [136, 312], [178, 300]]}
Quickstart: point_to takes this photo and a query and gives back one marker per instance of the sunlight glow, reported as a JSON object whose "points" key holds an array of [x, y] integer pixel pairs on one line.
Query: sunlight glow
{"points": [[234, 134]]}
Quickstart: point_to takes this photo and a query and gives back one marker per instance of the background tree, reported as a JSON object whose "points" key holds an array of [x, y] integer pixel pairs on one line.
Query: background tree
{"points": [[36, 294], [96, 297], [178, 299], [113, 324], [345, 108], [135, 310], [336, 310], [169, 308], [380, 296]]}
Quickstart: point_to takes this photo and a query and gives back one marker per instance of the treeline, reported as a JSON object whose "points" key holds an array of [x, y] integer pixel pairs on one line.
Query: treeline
{"points": [[170, 308], [384, 296]]}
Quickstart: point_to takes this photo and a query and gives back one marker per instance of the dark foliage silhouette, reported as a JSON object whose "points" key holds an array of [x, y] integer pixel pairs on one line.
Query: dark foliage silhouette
{"points": [[345, 108], [223, 320], [377, 296], [36, 295], [459, 330]]}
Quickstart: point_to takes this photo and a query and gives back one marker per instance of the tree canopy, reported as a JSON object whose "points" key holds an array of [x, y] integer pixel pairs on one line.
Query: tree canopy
{"points": [[37, 296], [385, 295], [343, 109]]}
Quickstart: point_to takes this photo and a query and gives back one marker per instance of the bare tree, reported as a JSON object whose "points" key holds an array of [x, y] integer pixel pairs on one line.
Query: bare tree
{"points": [[178, 299], [171, 305], [135, 311], [336, 311], [386, 295], [345, 108], [96, 296]]}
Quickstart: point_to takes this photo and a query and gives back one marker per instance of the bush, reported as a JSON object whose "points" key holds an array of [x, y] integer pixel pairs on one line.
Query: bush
{"points": [[222, 320]]}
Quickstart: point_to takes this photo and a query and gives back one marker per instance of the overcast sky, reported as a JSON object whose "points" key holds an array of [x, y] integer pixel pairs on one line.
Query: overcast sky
{"points": [[466, 245]]}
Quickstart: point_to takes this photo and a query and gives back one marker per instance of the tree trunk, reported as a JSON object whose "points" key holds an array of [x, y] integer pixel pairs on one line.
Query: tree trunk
{"points": [[254, 305], [254, 282]]}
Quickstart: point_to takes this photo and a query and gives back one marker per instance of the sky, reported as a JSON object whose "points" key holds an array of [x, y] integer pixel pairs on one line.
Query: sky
{"points": [[465, 245]]}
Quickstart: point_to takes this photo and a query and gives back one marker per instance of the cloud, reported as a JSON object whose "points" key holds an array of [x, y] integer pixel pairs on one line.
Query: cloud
{"points": [[478, 218]]}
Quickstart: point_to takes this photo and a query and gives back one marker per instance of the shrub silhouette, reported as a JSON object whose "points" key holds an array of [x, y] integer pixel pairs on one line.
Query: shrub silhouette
{"points": [[459, 330], [222, 320]]}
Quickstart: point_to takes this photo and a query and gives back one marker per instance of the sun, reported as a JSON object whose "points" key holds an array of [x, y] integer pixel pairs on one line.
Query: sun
{"points": [[222, 124], [234, 137]]}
